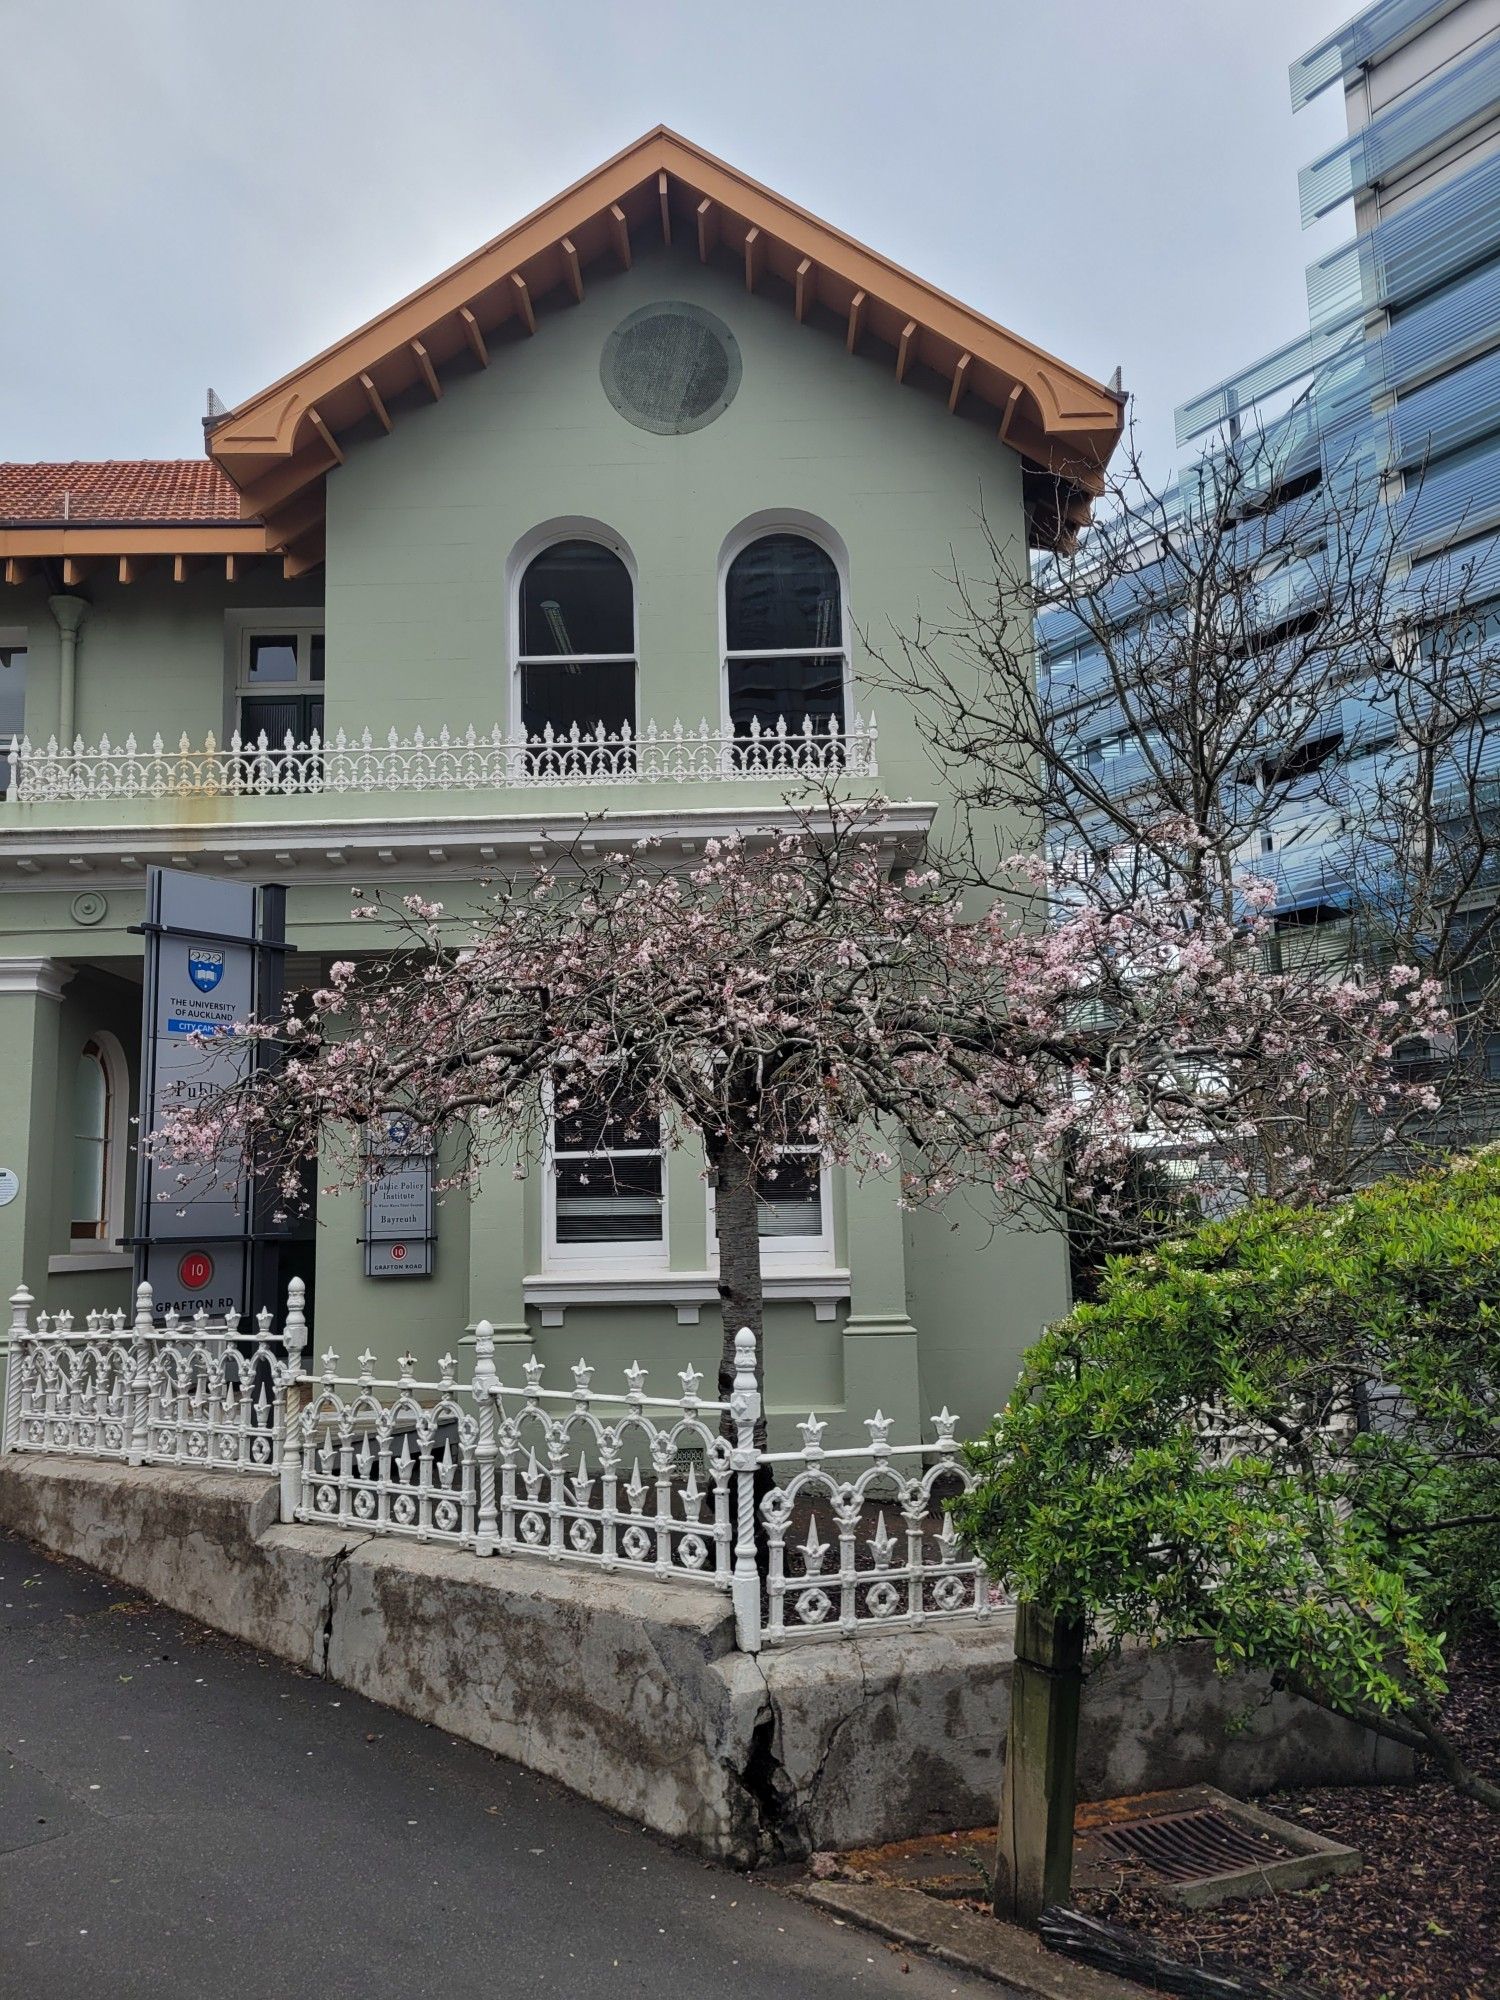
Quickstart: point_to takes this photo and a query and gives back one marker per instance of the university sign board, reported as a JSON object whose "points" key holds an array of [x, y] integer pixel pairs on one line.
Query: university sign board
{"points": [[213, 962]]}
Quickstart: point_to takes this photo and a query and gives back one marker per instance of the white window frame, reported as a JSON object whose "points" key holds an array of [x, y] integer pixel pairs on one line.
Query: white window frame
{"points": [[813, 1253], [13, 639], [755, 529], [116, 1143], [641, 1255], [568, 529], [302, 622]]}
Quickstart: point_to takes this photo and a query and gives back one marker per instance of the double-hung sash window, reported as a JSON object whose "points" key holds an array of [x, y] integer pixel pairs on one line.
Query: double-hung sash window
{"points": [[793, 1207], [280, 684], [607, 1196], [790, 1200], [786, 657], [576, 658]]}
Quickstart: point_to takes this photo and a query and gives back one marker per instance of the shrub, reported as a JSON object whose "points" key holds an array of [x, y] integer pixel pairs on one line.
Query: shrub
{"points": [[1278, 1434]]}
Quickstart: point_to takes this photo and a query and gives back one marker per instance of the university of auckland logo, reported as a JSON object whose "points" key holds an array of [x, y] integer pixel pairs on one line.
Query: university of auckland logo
{"points": [[205, 968]]}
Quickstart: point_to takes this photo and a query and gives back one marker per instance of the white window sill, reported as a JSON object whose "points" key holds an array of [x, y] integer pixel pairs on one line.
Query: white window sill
{"points": [[552, 1292], [89, 1260]]}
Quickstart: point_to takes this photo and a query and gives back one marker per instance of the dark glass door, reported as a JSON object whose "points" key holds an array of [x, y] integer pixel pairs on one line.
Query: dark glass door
{"points": [[278, 713]]}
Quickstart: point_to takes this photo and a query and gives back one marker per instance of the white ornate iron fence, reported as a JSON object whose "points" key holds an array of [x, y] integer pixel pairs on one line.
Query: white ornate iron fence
{"points": [[200, 1393], [851, 1540], [863, 1574], [446, 762], [536, 1471], [389, 1457]]}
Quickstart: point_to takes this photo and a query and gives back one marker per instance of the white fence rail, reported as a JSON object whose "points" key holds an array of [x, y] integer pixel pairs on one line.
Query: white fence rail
{"points": [[466, 761], [807, 1544], [863, 1573], [189, 1392]]}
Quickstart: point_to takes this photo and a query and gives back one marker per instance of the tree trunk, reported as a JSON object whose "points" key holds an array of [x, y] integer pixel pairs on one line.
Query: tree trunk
{"points": [[741, 1301], [1034, 1854]]}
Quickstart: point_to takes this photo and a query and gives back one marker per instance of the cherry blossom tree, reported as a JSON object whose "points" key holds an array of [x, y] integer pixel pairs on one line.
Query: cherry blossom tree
{"points": [[791, 991]]}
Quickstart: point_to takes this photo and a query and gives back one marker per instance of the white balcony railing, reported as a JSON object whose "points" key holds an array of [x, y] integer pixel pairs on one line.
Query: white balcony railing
{"points": [[468, 762]]}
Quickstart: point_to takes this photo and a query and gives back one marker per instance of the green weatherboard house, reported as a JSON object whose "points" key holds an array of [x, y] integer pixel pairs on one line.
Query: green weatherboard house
{"points": [[655, 457]]}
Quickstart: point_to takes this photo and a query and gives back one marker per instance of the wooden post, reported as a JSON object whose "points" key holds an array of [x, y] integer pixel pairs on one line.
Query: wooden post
{"points": [[1034, 1855]]}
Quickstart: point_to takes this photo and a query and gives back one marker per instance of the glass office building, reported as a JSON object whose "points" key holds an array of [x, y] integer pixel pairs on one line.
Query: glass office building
{"points": [[1394, 384]]}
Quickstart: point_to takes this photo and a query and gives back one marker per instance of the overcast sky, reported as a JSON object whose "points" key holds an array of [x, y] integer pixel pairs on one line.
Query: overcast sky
{"points": [[199, 192]]}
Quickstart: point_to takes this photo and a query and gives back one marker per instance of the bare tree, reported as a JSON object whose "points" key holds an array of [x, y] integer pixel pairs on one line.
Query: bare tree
{"points": [[1247, 673]]}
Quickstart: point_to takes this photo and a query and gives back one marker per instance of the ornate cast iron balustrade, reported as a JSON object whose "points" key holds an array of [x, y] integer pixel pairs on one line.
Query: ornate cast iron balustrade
{"points": [[621, 1480], [445, 762]]}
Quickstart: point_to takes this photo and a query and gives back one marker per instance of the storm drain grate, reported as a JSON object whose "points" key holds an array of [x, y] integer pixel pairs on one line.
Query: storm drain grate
{"points": [[1191, 1846]]}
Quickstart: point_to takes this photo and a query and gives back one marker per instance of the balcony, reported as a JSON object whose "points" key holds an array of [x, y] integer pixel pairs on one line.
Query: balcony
{"points": [[441, 763], [422, 806]]}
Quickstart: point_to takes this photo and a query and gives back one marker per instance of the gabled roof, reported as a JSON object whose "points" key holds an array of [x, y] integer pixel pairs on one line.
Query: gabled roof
{"points": [[277, 446]]}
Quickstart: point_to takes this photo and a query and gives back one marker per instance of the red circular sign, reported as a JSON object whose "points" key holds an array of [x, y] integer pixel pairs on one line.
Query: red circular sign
{"points": [[195, 1271], [398, 1252]]}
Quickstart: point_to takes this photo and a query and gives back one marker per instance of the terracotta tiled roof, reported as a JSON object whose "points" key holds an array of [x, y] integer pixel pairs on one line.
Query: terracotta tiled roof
{"points": [[138, 490]]}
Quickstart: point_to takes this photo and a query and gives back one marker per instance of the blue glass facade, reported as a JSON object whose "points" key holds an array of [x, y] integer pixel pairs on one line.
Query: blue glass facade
{"points": [[1395, 381]]}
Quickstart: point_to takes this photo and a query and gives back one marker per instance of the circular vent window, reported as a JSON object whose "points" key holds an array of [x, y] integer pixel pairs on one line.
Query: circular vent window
{"points": [[670, 368]]}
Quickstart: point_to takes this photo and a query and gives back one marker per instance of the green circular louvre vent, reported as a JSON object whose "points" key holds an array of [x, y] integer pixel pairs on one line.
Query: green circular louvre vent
{"points": [[670, 367]]}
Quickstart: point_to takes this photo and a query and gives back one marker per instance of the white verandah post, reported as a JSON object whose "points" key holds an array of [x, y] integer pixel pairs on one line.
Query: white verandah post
{"points": [[744, 1408], [21, 1303], [294, 1334]]}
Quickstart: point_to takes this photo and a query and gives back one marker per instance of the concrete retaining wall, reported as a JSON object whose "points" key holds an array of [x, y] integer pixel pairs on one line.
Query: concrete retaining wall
{"points": [[630, 1692]]}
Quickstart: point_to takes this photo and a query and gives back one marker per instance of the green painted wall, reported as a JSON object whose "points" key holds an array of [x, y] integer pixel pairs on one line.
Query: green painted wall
{"points": [[421, 523], [40, 1042], [421, 528]]}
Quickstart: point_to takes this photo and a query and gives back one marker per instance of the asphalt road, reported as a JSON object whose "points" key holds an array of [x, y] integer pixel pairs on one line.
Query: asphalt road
{"points": [[180, 1816]]}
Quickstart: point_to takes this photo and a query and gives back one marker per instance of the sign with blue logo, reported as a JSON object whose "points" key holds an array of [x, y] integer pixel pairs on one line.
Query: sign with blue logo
{"points": [[205, 968], [199, 1233]]}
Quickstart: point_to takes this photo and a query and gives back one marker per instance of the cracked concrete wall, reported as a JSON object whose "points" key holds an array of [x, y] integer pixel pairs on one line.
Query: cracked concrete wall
{"points": [[629, 1690]]}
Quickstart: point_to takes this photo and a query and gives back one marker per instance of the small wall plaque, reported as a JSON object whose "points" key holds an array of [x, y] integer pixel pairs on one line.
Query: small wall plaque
{"points": [[400, 1229], [10, 1185]]}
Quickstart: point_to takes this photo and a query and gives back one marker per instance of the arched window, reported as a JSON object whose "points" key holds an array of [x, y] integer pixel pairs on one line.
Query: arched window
{"points": [[99, 1088], [576, 640], [785, 650]]}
